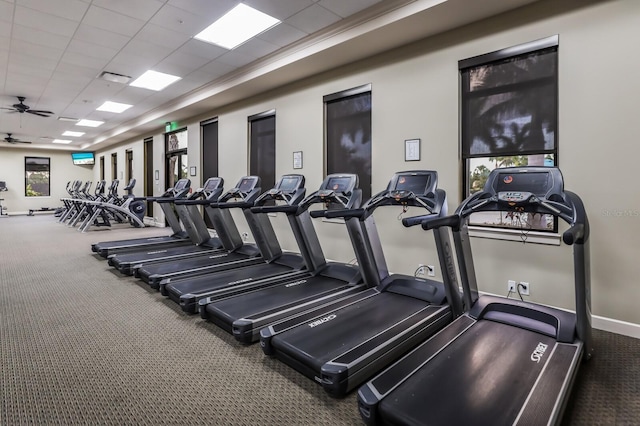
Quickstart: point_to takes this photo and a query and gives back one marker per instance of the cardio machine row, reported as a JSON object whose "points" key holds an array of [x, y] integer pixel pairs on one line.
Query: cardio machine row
{"points": [[347, 326]]}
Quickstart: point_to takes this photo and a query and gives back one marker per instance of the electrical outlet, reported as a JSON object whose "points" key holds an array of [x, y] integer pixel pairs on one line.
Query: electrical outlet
{"points": [[524, 288], [245, 235], [421, 271], [511, 286], [431, 270]]}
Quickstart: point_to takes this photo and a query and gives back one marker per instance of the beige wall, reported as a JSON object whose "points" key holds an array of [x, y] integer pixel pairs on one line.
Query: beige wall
{"points": [[62, 171], [415, 95]]}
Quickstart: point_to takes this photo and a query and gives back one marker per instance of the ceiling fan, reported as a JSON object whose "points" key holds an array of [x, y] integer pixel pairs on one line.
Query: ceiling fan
{"points": [[22, 108], [13, 140]]}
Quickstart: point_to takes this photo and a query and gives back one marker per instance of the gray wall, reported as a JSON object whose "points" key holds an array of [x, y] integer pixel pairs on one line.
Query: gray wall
{"points": [[62, 171], [415, 95]]}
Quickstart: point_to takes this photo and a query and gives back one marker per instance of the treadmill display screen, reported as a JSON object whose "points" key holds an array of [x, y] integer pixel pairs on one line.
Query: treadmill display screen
{"points": [[416, 184], [246, 185], [181, 184], [536, 183], [341, 184], [211, 184], [289, 184]]}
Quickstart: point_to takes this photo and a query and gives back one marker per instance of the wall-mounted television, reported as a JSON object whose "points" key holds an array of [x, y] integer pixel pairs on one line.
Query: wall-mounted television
{"points": [[83, 158]]}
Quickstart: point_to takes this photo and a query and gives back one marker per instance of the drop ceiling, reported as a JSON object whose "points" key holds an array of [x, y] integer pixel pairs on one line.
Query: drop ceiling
{"points": [[53, 51]]}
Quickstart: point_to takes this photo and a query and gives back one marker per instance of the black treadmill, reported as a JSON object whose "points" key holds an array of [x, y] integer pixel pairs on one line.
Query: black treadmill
{"points": [[179, 236], [343, 344], [236, 253], [245, 311], [202, 243], [506, 361], [290, 190]]}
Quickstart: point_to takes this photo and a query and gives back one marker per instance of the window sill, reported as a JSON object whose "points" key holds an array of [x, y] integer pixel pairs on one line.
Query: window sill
{"points": [[533, 237]]}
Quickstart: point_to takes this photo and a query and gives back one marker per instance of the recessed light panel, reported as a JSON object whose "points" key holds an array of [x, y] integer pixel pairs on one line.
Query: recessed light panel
{"points": [[73, 134], [239, 25], [90, 123], [116, 107], [65, 141], [154, 80]]}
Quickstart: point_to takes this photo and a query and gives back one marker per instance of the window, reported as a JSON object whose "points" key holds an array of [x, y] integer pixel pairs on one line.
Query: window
{"points": [[176, 154], [102, 167], [509, 117], [148, 173], [348, 134], [36, 176], [129, 167], [114, 166], [262, 148]]}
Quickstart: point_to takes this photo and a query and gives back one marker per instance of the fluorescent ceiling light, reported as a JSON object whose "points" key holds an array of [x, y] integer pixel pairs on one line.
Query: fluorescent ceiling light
{"points": [[116, 107], [89, 123], [68, 119], [74, 134], [154, 80], [61, 141], [238, 25]]}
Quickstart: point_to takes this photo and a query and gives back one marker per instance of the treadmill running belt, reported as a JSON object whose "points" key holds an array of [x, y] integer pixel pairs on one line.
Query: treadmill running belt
{"points": [[261, 302], [347, 329], [482, 378]]}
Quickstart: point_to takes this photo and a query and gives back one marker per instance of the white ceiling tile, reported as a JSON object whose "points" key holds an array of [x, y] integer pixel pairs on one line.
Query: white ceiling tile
{"points": [[202, 49], [282, 35], [256, 48], [101, 37], [6, 11], [346, 8], [22, 60], [36, 50], [235, 59], [151, 52], [36, 36], [180, 63], [69, 9], [133, 95], [201, 77], [281, 9], [156, 34], [75, 71], [215, 69], [5, 43], [5, 29], [211, 8], [139, 9], [312, 19], [100, 91], [180, 20], [112, 21], [91, 49], [86, 61], [53, 24]]}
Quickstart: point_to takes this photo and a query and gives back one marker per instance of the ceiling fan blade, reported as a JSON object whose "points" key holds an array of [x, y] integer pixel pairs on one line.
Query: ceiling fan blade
{"points": [[12, 109], [39, 113], [15, 141]]}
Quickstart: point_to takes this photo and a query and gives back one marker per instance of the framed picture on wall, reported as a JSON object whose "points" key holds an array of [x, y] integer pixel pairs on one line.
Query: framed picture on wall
{"points": [[297, 159], [412, 150]]}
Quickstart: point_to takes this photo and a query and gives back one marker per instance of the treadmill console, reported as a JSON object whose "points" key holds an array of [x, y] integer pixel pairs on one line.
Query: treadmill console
{"points": [[212, 184], [405, 185], [518, 186], [288, 185], [337, 184]]}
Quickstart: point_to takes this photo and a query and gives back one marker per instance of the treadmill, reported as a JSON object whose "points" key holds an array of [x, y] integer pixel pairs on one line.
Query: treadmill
{"points": [[290, 190], [235, 254], [344, 343], [245, 311], [201, 241], [505, 361], [179, 236]]}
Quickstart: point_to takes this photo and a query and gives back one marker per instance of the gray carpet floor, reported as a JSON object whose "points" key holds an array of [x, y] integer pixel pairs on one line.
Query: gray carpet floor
{"points": [[81, 344]]}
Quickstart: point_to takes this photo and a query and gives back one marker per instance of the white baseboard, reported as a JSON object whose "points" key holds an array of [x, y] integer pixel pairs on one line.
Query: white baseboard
{"points": [[616, 326]]}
